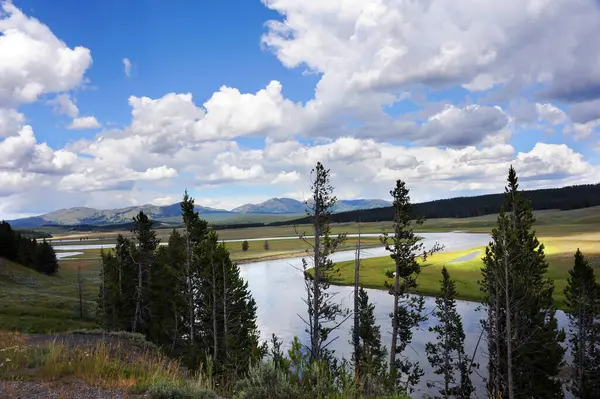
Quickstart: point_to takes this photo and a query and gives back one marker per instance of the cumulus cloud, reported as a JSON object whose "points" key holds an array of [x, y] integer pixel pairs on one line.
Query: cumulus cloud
{"points": [[64, 105], [33, 61], [382, 45], [550, 113], [84, 122], [127, 66], [368, 54], [10, 122]]}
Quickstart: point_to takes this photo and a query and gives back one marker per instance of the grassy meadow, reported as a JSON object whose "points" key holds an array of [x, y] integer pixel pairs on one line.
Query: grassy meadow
{"points": [[32, 302], [559, 252]]}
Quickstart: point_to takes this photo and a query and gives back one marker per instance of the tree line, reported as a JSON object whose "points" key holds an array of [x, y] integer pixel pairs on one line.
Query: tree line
{"points": [[188, 297], [17, 247], [565, 198]]}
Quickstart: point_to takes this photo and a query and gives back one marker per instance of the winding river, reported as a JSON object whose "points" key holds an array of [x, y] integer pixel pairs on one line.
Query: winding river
{"points": [[278, 288]]}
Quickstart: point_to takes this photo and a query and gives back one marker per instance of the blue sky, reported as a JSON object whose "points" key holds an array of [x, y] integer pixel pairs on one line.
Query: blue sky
{"points": [[277, 85]]}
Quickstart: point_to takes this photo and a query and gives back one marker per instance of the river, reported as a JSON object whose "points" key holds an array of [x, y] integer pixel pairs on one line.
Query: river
{"points": [[278, 288]]}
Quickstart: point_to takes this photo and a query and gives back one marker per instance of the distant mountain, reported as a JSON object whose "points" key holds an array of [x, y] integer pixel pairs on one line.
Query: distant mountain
{"points": [[275, 209], [273, 205], [99, 217], [292, 206]]}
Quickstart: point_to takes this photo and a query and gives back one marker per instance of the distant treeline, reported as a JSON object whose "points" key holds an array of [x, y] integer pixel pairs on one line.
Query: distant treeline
{"points": [[16, 247], [33, 233], [566, 198]]}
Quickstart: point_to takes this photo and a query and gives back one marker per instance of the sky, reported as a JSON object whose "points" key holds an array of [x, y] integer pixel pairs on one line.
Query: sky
{"points": [[116, 103]]}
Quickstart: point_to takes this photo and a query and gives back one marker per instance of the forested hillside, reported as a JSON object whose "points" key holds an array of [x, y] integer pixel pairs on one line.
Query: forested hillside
{"points": [[565, 198], [16, 247]]}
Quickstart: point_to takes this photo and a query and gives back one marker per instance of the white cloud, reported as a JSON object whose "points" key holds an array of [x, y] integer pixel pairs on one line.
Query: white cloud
{"points": [[33, 61], [286, 178], [11, 122], [127, 66], [64, 105], [384, 45], [550, 113], [84, 122]]}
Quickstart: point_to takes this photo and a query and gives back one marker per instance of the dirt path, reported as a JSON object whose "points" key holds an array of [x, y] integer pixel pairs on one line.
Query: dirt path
{"points": [[63, 389]]}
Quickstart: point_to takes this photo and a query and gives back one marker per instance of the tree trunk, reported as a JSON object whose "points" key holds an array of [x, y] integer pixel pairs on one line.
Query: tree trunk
{"points": [[497, 336], [190, 289], [316, 294], [356, 316], [395, 323], [225, 329], [138, 299], [214, 308], [448, 370], [507, 288]]}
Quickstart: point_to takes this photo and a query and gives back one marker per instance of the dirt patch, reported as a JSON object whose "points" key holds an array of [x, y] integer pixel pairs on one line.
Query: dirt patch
{"points": [[58, 390]]}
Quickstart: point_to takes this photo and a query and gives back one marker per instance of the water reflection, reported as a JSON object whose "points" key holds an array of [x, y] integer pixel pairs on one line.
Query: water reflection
{"points": [[278, 286]]}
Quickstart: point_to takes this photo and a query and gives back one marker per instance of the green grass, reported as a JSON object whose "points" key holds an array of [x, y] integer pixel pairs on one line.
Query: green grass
{"points": [[116, 366], [559, 252], [36, 303]]}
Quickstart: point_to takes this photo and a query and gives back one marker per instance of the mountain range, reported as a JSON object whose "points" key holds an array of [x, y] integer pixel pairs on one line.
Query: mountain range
{"points": [[272, 209]]}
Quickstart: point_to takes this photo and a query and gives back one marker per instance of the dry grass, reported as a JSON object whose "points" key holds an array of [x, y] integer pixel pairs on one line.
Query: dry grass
{"points": [[108, 366]]}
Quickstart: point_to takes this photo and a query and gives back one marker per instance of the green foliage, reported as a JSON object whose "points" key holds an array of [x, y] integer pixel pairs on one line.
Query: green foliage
{"points": [[404, 247], [323, 310], [524, 342], [371, 351], [447, 354], [582, 297], [28, 252], [168, 390], [188, 297]]}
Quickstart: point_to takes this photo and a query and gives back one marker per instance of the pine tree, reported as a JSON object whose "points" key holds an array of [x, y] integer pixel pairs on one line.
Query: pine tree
{"points": [[323, 311], [45, 258], [8, 242], [582, 297], [372, 353], [447, 354], [195, 233], [404, 247], [143, 258], [524, 342], [167, 295]]}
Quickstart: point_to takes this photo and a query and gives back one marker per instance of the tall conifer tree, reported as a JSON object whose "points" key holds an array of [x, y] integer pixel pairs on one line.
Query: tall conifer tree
{"points": [[524, 342]]}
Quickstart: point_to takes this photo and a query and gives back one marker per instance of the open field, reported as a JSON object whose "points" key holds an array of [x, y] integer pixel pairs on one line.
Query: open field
{"points": [[255, 252], [559, 252], [549, 223], [33, 302]]}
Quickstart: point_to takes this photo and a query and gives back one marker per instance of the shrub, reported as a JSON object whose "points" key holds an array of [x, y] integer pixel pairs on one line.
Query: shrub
{"points": [[167, 390]]}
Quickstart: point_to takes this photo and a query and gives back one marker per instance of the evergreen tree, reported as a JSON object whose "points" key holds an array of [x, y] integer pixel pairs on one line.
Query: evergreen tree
{"points": [[582, 297], [195, 232], [8, 242], [404, 247], [447, 355], [45, 258], [372, 353], [323, 310], [167, 297], [228, 315], [524, 342], [145, 245]]}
